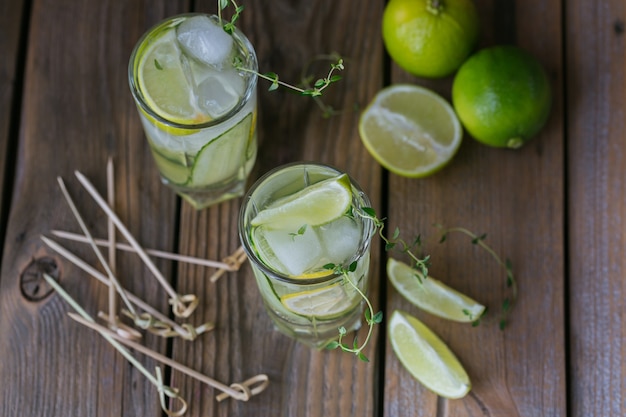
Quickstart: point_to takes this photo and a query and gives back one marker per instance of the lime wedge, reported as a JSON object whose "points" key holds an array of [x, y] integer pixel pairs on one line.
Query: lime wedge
{"points": [[165, 85], [432, 295], [410, 130], [221, 158], [427, 357], [323, 303], [314, 205]]}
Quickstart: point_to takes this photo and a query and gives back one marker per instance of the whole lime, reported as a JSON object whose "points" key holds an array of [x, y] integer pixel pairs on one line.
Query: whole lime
{"points": [[430, 38], [502, 96]]}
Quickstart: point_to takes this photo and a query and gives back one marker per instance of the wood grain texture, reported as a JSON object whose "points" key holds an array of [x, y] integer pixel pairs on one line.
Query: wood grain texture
{"points": [[78, 111], [516, 198], [303, 382], [11, 25], [554, 208], [596, 97]]}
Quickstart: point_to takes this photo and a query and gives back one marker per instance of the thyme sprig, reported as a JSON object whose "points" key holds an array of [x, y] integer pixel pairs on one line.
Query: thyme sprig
{"points": [[313, 91], [371, 318], [421, 264], [229, 26], [507, 265]]}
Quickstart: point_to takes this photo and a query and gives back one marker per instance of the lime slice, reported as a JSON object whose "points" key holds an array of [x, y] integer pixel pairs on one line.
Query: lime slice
{"points": [[410, 130], [221, 158], [323, 303], [164, 83], [427, 357], [432, 295], [314, 205]]}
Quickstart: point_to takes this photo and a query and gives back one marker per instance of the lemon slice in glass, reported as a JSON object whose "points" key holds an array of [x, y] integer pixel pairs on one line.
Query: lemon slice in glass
{"points": [[427, 357], [410, 130], [432, 295], [314, 205], [324, 303], [165, 85]]}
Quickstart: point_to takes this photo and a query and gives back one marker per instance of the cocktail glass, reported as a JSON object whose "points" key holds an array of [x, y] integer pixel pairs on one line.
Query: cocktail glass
{"points": [[297, 267], [197, 110]]}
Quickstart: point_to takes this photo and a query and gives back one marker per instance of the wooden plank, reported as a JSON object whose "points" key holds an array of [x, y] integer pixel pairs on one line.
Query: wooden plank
{"points": [[303, 382], [78, 111], [516, 198], [11, 23], [596, 162]]}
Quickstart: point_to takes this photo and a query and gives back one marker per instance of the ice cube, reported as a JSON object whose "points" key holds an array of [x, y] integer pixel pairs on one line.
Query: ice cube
{"points": [[340, 239], [298, 253], [215, 96], [205, 40]]}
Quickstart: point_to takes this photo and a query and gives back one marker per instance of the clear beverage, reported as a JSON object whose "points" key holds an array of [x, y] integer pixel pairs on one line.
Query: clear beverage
{"points": [[198, 111], [305, 299]]}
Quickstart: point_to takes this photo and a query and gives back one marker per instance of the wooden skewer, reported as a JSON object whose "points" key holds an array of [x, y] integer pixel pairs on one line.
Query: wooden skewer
{"points": [[154, 252], [243, 395], [182, 306], [103, 279], [112, 279], [114, 339], [235, 260], [112, 317]]}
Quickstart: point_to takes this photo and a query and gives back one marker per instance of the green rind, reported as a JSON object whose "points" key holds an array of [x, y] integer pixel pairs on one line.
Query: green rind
{"points": [[221, 158]]}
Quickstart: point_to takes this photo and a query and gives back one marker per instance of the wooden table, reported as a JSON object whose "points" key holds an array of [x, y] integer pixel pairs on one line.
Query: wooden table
{"points": [[555, 208]]}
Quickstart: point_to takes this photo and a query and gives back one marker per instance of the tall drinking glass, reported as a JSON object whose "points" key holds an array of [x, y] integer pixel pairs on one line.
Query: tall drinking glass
{"points": [[295, 260], [197, 103]]}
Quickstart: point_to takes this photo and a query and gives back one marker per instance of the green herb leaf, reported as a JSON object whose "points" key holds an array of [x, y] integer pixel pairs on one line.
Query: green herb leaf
{"points": [[332, 345], [369, 211], [378, 317]]}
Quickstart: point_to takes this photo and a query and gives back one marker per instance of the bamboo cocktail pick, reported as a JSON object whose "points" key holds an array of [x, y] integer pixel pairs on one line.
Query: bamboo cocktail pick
{"points": [[112, 318], [162, 326], [182, 305], [113, 283], [239, 391], [108, 335], [230, 264]]}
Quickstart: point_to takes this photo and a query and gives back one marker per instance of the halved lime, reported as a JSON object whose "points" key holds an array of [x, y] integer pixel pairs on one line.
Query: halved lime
{"points": [[314, 205], [323, 303], [432, 295], [427, 357], [163, 81], [410, 130]]}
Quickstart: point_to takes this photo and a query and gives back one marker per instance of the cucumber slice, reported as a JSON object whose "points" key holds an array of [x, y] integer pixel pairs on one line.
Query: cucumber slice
{"points": [[173, 170], [221, 158]]}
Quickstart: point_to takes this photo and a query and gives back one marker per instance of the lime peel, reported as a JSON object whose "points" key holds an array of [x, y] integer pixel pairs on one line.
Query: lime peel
{"points": [[431, 295], [314, 205], [427, 357]]}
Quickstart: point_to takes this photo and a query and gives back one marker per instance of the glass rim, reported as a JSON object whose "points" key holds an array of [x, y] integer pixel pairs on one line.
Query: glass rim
{"points": [[243, 236], [139, 97]]}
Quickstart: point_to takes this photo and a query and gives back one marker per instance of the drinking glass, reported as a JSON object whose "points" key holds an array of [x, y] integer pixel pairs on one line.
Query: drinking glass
{"points": [[195, 87], [305, 294]]}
